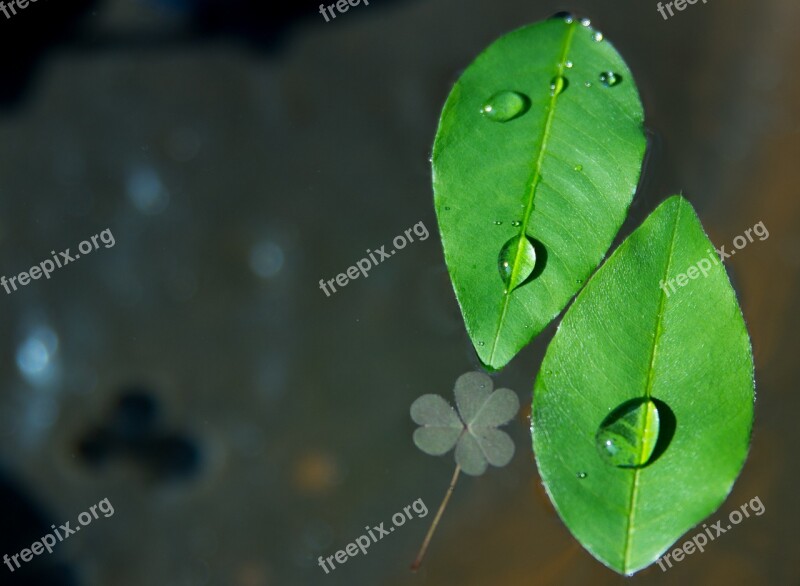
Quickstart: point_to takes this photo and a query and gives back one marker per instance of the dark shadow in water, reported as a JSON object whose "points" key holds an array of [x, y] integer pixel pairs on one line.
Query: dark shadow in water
{"points": [[134, 434], [25, 522], [28, 38]]}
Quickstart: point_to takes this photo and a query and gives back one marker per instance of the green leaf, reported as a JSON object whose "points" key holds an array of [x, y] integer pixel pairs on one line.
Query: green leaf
{"points": [[654, 344], [478, 442], [535, 163]]}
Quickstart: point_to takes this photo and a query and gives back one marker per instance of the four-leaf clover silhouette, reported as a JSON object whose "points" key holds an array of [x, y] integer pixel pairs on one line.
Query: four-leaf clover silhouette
{"points": [[473, 430]]}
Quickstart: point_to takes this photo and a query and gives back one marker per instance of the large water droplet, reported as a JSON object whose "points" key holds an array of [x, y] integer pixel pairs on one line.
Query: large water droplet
{"points": [[516, 261], [628, 436], [506, 105], [558, 84], [586, 22], [609, 78]]}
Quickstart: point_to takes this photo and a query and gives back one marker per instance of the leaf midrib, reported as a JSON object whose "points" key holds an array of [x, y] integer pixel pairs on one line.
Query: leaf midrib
{"points": [[647, 394], [535, 179]]}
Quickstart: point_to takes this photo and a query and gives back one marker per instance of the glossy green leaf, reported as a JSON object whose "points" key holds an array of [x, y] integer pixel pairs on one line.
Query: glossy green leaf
{"points": [[659, 322], [533, 147]]}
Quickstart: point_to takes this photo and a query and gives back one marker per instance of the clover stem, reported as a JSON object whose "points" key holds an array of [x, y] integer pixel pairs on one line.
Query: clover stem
{"points": [[418, 562]]}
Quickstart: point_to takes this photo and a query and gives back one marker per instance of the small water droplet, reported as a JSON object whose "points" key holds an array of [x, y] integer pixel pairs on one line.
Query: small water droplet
{"points": [[506, 105], [609, 78], [581, 475], [579, 167], [446, 208], [628, 436], [586, 22], [568, 64], [481, 344], [498, 223], [558, 84], [588, 84], [598, 36], [516, 261], [516, 223]]}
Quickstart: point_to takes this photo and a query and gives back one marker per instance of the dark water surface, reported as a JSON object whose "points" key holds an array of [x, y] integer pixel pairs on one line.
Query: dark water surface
{"points": [[241, 422]]}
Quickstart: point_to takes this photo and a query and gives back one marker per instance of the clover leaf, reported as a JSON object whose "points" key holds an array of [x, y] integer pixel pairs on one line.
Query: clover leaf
{"points": [[473, 430]]}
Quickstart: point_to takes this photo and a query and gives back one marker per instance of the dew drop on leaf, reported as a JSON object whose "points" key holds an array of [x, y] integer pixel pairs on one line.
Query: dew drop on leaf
{"points": [[506, 105], [581, 475], [579, 167], [609, 78], [516, 223], [628, 436], [516, 262], [586, 22], [558, 84], [598, 36]]}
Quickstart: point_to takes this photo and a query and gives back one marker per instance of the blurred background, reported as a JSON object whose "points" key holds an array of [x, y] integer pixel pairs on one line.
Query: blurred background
{"points": [[240, 422]]}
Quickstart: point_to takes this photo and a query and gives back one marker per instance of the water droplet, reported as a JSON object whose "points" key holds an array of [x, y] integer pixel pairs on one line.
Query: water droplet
{"points": [[558, 84], [628, 436], [516, 223], [598, 36], [446, 208], [579, 167], [586, 22], [581, 475], [498, 223], [506, 105], [568, 64], [588, 84], [516, 261], [481, 344], [609, 78]]}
